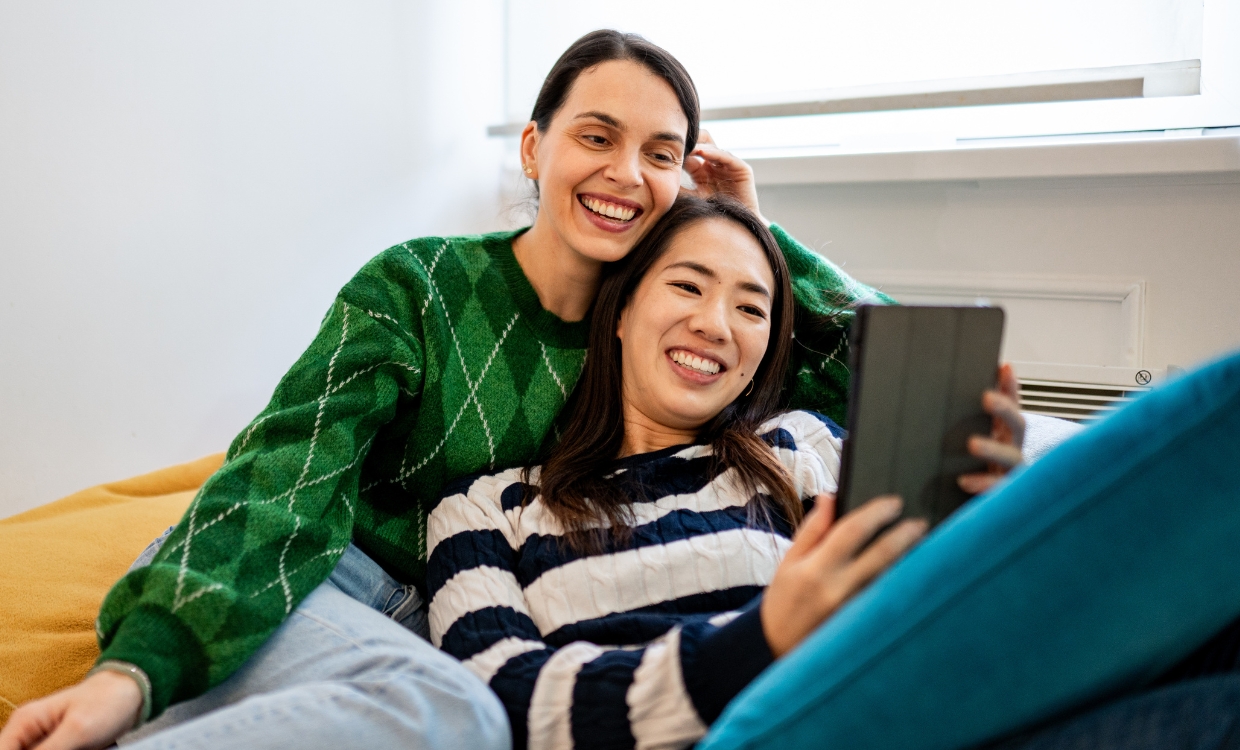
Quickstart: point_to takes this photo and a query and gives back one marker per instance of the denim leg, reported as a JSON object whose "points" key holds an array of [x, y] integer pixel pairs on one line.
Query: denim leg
{"points": [[337, 674], [148, 554], [1201, 714], [366, 581]]}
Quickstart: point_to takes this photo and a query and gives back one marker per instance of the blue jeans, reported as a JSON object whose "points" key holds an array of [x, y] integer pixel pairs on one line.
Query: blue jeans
{"points": [[346, 669]]}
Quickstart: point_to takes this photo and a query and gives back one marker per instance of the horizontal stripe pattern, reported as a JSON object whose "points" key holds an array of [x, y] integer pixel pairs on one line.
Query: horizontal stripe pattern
{"points": [[633, 647], [648, 575], [487, 663]]}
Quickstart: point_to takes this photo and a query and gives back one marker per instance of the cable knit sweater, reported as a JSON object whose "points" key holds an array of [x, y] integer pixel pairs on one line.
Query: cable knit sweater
{"points": [[436, 361], [638, 646]]}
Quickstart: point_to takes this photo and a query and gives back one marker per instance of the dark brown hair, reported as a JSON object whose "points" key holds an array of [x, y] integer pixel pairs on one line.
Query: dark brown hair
{"points": [[603, 46], [576, 481]]}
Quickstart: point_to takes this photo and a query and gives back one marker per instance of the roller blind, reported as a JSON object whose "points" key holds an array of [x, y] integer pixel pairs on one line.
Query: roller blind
{"points": [[745, 51], [885, 54]]}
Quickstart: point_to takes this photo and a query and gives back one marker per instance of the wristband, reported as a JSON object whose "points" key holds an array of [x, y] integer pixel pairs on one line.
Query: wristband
{"points": [[134, 671]]}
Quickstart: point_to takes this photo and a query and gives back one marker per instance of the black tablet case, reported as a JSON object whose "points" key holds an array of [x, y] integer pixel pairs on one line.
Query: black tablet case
{"points": [[918, 374]]}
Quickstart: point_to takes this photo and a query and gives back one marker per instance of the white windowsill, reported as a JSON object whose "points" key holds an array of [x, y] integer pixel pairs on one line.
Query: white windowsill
{"points": [[1081, 156]]}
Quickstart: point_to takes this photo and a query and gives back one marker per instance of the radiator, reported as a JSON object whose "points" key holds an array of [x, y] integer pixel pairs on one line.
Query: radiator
{"points": [[1081, 393]]}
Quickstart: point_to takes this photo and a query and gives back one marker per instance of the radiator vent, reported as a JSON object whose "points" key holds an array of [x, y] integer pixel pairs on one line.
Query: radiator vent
{"points": [[1079, 402]]}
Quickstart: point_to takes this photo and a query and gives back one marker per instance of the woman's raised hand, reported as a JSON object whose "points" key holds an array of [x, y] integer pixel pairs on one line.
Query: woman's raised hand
{"points": [[91, 714], [1007, 436], [827, 565], [716, 171]]}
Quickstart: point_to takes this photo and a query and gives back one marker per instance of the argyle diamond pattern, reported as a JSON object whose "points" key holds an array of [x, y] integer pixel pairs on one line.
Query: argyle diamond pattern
{"points": [[436, 361]]}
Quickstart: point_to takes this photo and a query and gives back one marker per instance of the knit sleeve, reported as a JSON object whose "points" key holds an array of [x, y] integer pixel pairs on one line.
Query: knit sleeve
{"points": [[271, 524], [576, 694], [826, 299]]}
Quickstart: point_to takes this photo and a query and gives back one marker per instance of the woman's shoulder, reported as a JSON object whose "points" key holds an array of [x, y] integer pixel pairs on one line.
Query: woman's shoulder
{"points": [[421, 256], [503, 489], [785, 430], [478, 502], [404, 277], [809, 446]]}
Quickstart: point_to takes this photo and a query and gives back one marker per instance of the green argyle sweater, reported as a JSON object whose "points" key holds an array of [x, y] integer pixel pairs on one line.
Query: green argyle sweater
{"points": [[435, 361]]}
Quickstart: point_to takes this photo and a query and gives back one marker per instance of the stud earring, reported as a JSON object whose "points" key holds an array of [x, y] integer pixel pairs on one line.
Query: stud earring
{"points": [[529, 170]]}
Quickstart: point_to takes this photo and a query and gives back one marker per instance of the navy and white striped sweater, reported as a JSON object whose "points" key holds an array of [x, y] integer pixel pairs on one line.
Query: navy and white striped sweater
{"points": [[637, 647]]}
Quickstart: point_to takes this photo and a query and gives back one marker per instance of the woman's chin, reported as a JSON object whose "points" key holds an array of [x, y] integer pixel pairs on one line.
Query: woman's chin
{"points": [[603, 246], [602, 252], [691, 413]]}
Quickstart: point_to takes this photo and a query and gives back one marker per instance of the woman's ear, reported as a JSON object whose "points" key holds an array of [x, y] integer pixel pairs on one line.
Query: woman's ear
{"points": [[529, 150], [620, 323]]}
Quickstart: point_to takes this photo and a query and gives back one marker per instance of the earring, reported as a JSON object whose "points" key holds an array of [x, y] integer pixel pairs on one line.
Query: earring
{"points": [[748, 390], [529, 169]]}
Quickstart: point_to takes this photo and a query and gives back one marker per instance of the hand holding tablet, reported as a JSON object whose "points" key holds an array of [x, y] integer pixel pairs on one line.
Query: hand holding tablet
{"points": [[916, 416]]}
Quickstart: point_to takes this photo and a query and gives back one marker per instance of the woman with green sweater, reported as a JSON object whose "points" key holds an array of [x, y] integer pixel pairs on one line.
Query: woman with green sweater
{"points": [[279, 611]]}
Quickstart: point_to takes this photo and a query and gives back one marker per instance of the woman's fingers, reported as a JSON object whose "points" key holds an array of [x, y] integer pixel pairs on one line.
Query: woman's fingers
{"points": [[722, 162], [66, 737], [853, 531], [1008, 384], [823, 569], [976, 484], [91, 714], [1007, 404], [994, 451], [31, 723], [885, 550], [717, 171], [1002, 450], [1011, 423]]}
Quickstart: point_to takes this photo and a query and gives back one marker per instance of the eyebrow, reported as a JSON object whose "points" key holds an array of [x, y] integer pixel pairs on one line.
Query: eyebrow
{"points": [[748, 286], [607, 119]]}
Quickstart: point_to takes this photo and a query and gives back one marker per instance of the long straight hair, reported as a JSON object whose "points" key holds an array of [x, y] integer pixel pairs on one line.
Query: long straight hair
{"points": [[576, 481]]}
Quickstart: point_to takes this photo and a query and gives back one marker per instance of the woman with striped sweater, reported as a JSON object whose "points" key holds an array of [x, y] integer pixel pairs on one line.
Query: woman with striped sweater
{"points": [[612, 602], [625, 591]]}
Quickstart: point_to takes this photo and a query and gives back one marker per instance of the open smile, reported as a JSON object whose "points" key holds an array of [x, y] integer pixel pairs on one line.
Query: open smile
{"points": [[696, 368], [608, 213]]}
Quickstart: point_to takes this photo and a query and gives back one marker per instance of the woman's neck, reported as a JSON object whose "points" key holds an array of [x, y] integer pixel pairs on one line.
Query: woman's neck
{"points": [[565, 280], [643, 434]]}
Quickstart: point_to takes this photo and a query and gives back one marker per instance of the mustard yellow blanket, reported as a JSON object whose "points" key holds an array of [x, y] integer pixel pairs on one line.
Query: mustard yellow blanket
{"points": [[58, 561]]}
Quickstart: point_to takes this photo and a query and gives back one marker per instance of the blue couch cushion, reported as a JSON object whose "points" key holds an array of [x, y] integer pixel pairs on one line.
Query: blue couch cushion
{"points": [[1082, 576]]}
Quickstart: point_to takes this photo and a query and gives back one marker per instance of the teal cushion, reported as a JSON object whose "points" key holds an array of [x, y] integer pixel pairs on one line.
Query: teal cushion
{"points": [[1084, 575]]}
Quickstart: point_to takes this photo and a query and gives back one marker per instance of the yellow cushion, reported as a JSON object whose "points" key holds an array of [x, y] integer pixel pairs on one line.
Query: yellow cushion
{"points": [[59, 560]]}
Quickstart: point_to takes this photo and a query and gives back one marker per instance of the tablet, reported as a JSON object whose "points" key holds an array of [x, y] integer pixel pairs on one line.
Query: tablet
{"points": [[918, 374]]}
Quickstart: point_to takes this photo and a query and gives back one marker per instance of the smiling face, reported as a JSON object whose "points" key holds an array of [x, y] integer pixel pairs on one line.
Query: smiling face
{"points": [[608, 165], [697, 326]]}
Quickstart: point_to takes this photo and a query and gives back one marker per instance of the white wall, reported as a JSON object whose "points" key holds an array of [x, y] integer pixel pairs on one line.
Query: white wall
{"points": [[183, 188], [1179, 234]]}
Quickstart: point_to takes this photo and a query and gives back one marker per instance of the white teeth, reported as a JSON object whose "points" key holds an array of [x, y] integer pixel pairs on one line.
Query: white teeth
{"points": [[694, 362], [610, 210]]}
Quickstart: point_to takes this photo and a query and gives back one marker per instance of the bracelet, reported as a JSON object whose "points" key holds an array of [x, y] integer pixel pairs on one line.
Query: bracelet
{"points": [[140, 677]]}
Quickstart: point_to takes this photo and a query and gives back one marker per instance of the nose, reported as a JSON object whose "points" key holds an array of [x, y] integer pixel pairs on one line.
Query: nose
{"points": [[710, 321], [624, 169]]}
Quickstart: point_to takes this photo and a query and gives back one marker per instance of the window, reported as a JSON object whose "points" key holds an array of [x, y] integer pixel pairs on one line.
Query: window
{"points": [[890, 74]]}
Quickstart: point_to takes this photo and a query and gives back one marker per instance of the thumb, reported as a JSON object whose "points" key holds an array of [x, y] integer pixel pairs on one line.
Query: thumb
{"points": [[814, 526]]}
